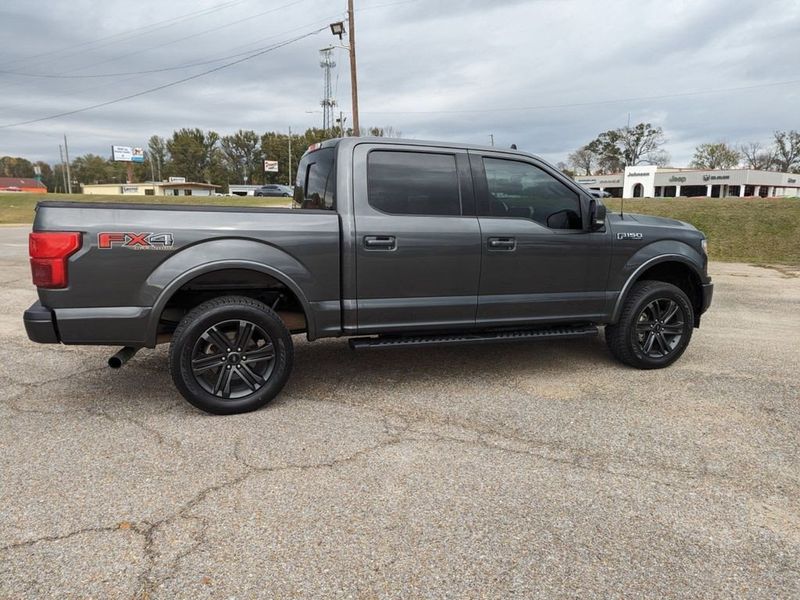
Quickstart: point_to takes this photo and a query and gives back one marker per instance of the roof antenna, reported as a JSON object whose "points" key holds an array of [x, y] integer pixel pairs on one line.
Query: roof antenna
{"points": [[513, 146]]}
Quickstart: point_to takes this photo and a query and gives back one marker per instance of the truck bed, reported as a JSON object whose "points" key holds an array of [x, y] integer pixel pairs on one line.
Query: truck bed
{"points": [[120, 290]]}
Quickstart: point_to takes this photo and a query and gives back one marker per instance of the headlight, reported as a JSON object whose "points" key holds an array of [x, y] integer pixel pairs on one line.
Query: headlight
{"points": [[704, 246]]}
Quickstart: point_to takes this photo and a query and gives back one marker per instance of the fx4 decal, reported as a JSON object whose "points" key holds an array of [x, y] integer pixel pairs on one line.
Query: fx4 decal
{"points": [[629, 236], [135, 241]]}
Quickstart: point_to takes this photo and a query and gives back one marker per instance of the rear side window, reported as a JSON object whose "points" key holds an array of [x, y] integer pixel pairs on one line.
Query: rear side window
{"points": [[315, 187], [413, 183]]}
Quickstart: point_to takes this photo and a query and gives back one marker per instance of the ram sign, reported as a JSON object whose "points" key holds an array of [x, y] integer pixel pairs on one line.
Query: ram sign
{"points": [[127, 154]]}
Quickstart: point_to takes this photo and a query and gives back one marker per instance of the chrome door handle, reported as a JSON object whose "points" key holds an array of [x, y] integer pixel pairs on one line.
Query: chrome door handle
{"points": [[380, 242], [502, 243]]}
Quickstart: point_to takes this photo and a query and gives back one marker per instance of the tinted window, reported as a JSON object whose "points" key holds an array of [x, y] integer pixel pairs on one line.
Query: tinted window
{"points": [[315, 187], [522, 190], [413, 183]]}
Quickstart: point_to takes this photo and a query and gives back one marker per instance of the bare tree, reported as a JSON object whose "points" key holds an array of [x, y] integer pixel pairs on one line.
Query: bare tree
{"points": [[757, 156], [583, 160], [715, 156], [787, 150]]}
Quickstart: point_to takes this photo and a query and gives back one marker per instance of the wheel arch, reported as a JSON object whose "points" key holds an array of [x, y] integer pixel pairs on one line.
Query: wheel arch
{"points": [[676, 269], [175, 286]]}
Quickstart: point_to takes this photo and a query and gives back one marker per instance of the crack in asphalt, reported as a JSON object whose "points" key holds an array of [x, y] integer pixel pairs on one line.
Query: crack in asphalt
{"points": [[149, 585], [58, 538]]}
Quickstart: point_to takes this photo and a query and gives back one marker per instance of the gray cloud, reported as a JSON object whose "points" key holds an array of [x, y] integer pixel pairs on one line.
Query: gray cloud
{"points": [[415, 58]]}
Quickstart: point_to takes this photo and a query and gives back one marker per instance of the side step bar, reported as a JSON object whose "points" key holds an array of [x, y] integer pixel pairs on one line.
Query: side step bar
{"points": [[521, 335]]}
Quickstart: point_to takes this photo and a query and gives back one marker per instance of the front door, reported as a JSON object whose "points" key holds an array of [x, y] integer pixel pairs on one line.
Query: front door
{"points": [[540, 261], [418, 245]]}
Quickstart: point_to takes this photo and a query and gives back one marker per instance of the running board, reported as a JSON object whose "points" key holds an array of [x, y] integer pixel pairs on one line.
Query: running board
{"points": [[521, 335]]}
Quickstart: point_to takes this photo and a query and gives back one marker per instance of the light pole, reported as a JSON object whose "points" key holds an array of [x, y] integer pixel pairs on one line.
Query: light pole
{"points": [[337, 29]]}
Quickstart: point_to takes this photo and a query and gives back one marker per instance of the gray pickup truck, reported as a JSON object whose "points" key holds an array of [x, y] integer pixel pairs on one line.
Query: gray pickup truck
{"points": [[392, 243]]}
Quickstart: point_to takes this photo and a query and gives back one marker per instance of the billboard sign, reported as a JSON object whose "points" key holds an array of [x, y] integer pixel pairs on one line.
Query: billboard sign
{"points": [[127, 154], [270, 166]]}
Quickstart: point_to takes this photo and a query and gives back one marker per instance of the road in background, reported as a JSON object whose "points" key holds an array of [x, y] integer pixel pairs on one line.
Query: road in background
{"points": [[488, 471]]}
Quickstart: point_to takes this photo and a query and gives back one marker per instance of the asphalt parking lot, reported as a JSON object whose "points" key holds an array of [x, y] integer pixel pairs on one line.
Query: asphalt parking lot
{"points": [[531, 470]]}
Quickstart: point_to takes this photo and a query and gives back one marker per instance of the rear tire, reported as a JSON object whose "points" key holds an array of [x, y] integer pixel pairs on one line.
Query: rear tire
{"points": [[230, 355], [654, 328]]}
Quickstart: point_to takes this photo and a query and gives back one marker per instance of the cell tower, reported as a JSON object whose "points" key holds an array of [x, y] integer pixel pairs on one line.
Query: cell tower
{"points": [[328, 102]]}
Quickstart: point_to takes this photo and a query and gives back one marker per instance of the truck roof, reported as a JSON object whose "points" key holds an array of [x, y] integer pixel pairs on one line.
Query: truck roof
{"points": [[352, 141]]}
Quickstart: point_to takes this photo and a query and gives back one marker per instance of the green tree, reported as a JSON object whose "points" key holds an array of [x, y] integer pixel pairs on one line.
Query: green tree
{"points": [[242, 156], [158, 153], [47, 175], [192, 152], [91, 168], [787, 151], [15, 166], [718, 155]]}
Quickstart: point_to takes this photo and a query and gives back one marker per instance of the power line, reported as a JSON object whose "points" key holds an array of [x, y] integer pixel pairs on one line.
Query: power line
{"points": [[155, 47], [167, 85], [164, 69], [581, 104], [157, 25]]}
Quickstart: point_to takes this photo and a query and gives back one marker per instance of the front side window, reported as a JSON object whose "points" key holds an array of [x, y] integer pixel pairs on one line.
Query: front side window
{"points": [[315, 187], [522, 190], [413, 183]]}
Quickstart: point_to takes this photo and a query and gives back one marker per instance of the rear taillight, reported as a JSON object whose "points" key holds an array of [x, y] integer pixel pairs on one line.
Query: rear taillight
{"points": [[49, 252]]}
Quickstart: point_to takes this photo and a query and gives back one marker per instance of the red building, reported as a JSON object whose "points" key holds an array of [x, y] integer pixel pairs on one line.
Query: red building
{"points": [[21, 184]]}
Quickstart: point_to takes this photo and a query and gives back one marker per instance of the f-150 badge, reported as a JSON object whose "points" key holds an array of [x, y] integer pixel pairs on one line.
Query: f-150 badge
{"points": [[135, 241], [627, 235]]}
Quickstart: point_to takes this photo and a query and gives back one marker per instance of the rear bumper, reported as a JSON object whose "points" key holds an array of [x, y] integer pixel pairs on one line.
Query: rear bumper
{"points": [[708, 294], [40, 324]]}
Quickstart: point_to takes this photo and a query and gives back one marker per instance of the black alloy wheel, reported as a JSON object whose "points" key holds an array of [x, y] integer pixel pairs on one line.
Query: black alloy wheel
{"points": [[654, 327], [231, 354], [659, 328], [233, 359]]}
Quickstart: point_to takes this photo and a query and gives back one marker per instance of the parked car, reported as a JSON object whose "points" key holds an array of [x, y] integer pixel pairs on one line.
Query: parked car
{"points": [[598, 193], [274, 190], [395, 244]]}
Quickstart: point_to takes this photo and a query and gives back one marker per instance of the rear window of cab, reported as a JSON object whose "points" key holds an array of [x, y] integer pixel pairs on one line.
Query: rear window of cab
{"points": [[315, 187]]}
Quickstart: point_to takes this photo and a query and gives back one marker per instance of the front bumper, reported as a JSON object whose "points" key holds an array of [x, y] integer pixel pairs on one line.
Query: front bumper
{"points": [[40, 324], [708, 293]]}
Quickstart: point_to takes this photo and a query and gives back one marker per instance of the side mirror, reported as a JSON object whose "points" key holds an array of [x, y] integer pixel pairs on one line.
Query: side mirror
{"points": [[597, 215]]}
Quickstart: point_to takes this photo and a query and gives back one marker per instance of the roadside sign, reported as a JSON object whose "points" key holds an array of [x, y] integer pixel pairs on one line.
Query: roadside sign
{"points": [[127, 154], [270, 166]]}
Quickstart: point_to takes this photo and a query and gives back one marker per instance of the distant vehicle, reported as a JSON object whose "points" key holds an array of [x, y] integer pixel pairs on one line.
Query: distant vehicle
{"points": [[283, 191], [598, 193]]}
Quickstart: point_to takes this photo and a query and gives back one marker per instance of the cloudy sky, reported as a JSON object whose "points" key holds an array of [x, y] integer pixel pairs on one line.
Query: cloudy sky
{"points": [[548, 75]]}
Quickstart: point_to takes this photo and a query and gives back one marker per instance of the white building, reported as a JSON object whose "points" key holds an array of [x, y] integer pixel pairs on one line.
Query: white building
{"points": [[152, 188], [659, 182]]}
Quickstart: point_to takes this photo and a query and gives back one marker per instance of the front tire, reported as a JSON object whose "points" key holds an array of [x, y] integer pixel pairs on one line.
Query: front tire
{"points": [[654, 328], [230, 355]]}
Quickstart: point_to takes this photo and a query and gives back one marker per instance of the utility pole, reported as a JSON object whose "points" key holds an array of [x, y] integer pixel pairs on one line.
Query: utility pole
{"points": [[353, 78], [491, 137], [290, 156], [69, 176], [63, 168]]}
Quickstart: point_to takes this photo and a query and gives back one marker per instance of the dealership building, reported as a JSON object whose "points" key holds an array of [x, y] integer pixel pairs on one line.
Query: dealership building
{"points": [[660, 182]]}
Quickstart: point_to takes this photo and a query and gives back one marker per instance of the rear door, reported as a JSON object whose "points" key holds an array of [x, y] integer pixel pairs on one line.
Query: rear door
{"points": [[540, 261], [418, 243]]}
